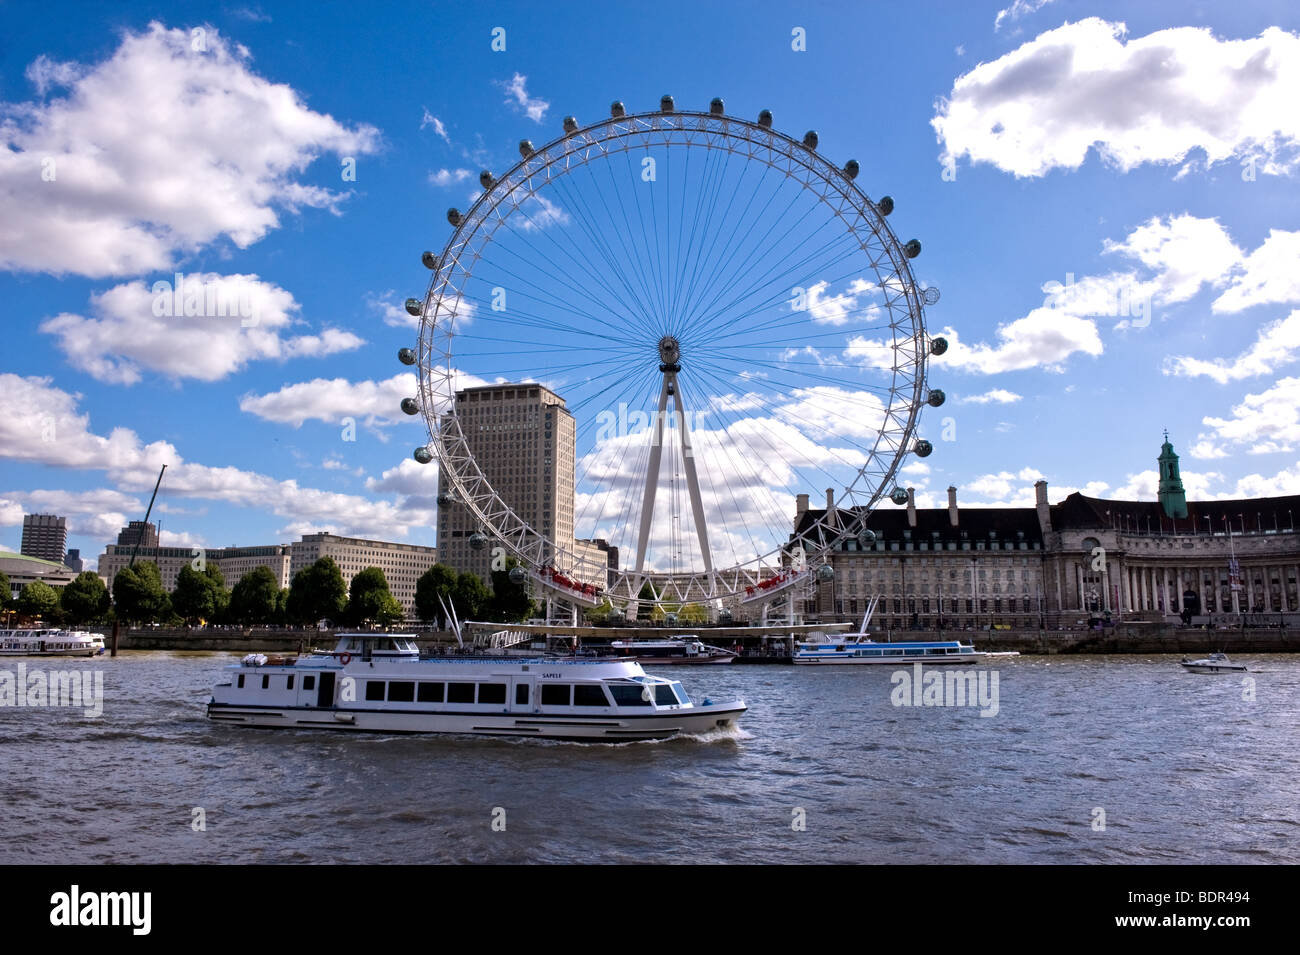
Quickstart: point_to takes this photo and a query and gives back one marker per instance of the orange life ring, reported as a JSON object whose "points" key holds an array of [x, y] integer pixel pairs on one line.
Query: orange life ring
{"points": [[345, 658]]}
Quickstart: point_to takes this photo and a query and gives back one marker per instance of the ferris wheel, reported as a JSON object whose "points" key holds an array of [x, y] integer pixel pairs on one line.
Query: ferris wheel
{"points": [[729, 321]]}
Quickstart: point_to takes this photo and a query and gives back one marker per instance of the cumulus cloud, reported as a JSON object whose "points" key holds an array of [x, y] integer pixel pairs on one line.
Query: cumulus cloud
{"points": [[448, 177], [428, 119], [993, 396], [1266, 276], [1262, 423], [201, 325], [333, 399], [1277, 344], [90, 183], [1153, 99], [1044, 338], [1018, 9], [43, 424], [517, 98]]}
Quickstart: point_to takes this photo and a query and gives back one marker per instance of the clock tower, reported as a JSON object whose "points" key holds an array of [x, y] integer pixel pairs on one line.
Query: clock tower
{"points": [[1173, 500]]}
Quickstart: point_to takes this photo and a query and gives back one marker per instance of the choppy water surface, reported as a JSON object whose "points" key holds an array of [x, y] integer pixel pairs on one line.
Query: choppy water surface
{"points": [[1184, 768]]}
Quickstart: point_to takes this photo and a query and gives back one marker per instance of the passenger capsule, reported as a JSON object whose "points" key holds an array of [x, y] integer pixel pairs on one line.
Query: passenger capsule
{"points": [[912, 249], [570, 125], [617, 110], [885, 205], [716, 106], [478, 541], [414, 307], [406, 356], [454, 216], [938, 345], [665, 103], [898, 496], [936, 398], [931, 296], [525, 148], [446, 500], [765, 119], [518, 575], [866, 537], [430, 261], [924, 448], [486, 180], [410, 406], [851, 169], [826, 572], [810, 139], [423, 455]]}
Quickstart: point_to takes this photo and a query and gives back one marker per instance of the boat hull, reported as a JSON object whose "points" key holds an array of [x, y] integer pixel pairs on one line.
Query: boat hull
{"points": [[53, 653], [1214, 667], [610, 728], [847, 659]]}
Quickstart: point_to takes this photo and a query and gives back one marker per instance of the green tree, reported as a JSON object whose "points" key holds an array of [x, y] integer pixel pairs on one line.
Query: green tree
{"points": [[38, 600], [370, 601], [317, 593], [253, 598], [471, 597], [199, 595], [509, 602], [438, 581], [85, 598], [645, 602], [693, 614], [4, 591], [138, 594]]}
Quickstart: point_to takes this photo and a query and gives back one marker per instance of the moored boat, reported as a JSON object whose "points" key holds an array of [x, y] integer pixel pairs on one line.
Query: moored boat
{"points": [[859, 648], [685, 649], [379, 683], [50, 643]]}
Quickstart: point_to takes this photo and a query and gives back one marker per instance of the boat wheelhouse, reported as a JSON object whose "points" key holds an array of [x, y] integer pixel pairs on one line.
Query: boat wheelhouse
{"points": [[379, 683], [855, 648], [50, 643], [1214, 663]]}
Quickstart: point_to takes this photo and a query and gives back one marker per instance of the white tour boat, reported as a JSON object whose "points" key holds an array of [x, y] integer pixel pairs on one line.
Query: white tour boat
{"points": [[377, 682], [1214, 663], [50, 643], [685, 649]]}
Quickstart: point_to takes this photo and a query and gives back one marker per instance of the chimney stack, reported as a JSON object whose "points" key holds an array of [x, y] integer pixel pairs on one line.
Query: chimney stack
{"points": [[911, 507], [831, 517], [952, 505], [1044, 509], [800, 508]]}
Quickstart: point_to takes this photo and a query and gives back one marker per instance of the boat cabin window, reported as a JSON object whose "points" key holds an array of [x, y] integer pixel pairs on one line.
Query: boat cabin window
{"points": [[240, 681], [668, 694], [460, 692], [589, 694], [521, 694], [556, 694], [288, 685], [401, 691], [492, 693], [308, 682], [625, 695], [431, 692], [266, 681], [374, 690]]}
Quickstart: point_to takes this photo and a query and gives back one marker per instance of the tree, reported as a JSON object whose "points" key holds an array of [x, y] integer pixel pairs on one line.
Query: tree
{"points": [[470, 596], [4, 590], [693, 614], [200, 595], [645, 600], [510, 602], [316, 593], [370, 601], [138, 593], [38, 600], [85, 598], [253, 598], [438, 581]]}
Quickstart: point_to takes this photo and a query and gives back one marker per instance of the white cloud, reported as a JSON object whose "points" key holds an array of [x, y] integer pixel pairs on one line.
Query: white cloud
{"points": [[207, 326], [1268, 275], [42, 423], [333, 399], [120, 202], [996, 395], [46, 74], [448, 177], [538, 212], [1262, 423], [517, 97], [1184, 251], [838, 309], [1018, 9], [428, 119], [1153, 99], [1277, 344], [1045, 338]]}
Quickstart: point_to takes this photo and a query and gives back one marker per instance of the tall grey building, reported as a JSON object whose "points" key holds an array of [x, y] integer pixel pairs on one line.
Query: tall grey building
{"points": [[45, 536]]}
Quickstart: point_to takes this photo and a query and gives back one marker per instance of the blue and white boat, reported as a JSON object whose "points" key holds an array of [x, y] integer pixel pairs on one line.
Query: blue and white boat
{"points": [[823, 649], [377, 682]]}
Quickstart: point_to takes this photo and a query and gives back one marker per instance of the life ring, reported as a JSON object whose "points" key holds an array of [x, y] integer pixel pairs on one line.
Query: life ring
{"points": [[345, 658]]}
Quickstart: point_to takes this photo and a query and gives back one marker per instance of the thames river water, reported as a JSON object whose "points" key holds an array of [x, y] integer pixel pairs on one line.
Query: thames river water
{"points": [[1121, 759]]}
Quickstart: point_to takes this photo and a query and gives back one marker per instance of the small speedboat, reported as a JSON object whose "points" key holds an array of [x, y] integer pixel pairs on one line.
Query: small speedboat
{"points": [[1214, 663]]}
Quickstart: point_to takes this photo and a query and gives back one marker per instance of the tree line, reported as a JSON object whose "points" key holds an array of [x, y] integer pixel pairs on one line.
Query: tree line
{"points": [[316, 593]]}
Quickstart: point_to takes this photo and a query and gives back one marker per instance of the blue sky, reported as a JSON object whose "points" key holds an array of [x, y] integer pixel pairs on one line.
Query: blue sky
{"points": [[1143, 158]]}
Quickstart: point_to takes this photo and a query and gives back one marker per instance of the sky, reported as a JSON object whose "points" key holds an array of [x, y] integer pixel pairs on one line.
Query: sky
{"points": [[1106, 197]]}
